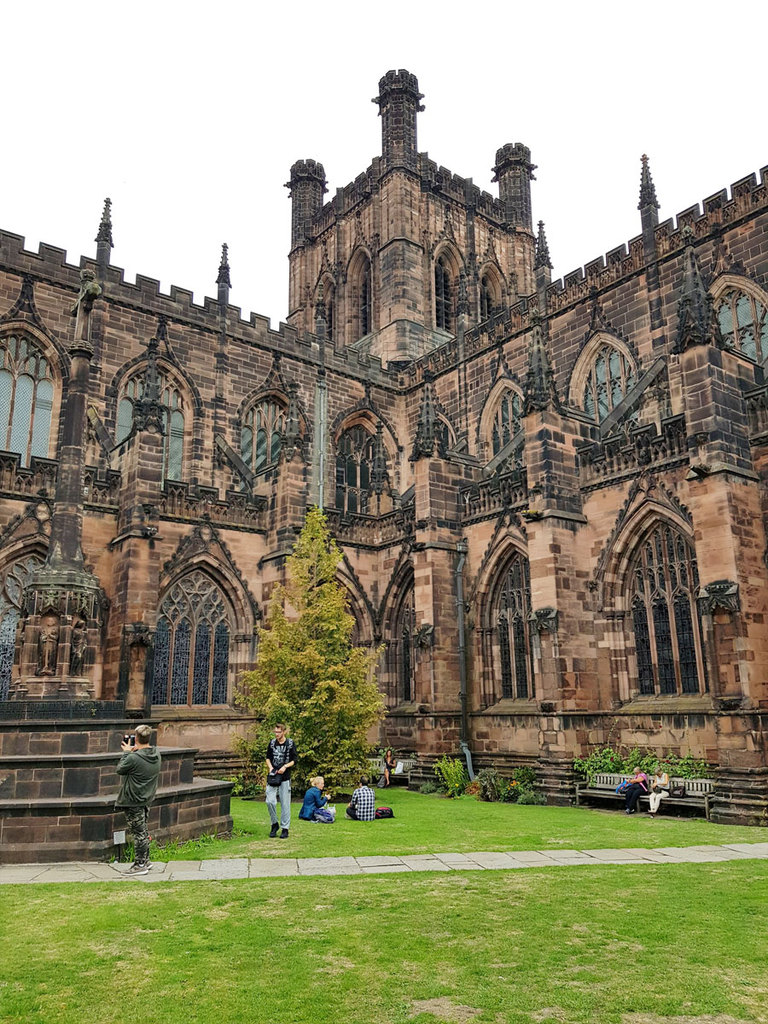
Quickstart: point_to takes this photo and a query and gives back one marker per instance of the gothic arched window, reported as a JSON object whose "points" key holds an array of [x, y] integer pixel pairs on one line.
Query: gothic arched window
{"points": [[489, 300], [506, 422], [405, 632], [191, 655], [261, 436], [609, 379], [744, 324], [667, 628], [444, 298], [172, 402], [11, 586], [354, 464], [26, 398], [512, 630]]}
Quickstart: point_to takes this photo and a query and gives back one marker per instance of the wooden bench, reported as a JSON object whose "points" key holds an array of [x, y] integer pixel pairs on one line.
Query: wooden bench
{"points": [[698, 792], [377, 769]]}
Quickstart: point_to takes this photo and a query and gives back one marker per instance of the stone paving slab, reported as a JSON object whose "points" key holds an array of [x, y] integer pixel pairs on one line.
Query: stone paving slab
{"points": [[490, 860]]}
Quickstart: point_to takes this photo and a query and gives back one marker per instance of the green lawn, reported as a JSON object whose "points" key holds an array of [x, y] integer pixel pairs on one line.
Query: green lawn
{"points": [[432, 824], [578, 945]]}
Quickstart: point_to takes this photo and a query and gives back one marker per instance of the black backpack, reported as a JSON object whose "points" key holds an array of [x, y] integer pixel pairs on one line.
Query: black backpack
{"points": [[384, 812]]}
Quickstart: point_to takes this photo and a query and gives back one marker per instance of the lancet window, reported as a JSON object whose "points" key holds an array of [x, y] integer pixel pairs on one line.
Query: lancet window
{"points": [[26, 398], [405, 632], [610, 378], [261, 436], [191, 653], [172, 403], [12, 583], [665, 617], [512, 630], [444, 297], [506, 422], [354, 466], [744, 324]]}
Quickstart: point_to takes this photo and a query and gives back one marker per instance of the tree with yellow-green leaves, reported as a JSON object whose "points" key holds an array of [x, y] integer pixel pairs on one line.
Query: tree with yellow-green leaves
{"points": [[308, 673]]}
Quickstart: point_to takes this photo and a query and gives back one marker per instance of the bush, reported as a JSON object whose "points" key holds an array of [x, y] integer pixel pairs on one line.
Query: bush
{"points": [[524, 776], [491, 784], [472, 789], [429, 787], [613, 761], [529, 796], [453, 775], [252, 779]]}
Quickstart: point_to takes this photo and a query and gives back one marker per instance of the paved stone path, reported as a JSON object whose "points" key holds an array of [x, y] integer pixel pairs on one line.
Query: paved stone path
{"points": [[270, 867]]}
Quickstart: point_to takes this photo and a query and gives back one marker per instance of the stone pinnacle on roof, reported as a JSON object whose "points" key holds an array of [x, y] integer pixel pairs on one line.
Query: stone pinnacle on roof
{"points": [[696, 322], [542, 249], [647, 188], [223, 275], [104, 235]]}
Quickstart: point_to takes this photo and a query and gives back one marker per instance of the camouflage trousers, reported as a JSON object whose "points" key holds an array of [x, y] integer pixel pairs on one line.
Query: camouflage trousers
{"points": [[137, 826]]}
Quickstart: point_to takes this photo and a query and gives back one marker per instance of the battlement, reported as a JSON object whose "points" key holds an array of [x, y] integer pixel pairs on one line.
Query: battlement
{"points": [[671, 236]]}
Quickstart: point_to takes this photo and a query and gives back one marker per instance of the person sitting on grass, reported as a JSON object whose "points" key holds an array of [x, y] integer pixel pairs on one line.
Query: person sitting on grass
{"points": [[313, 799], [362, 806]]}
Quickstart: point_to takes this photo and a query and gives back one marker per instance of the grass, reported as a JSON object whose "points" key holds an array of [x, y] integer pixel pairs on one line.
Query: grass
{"points": [[577, 945], [433, 824]]}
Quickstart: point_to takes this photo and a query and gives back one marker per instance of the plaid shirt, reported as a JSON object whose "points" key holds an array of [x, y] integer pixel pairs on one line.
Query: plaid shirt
{"points": [[364, 802]]}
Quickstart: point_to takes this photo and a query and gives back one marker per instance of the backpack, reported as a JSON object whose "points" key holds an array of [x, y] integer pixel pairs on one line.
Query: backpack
{"points": [[384, 812]]}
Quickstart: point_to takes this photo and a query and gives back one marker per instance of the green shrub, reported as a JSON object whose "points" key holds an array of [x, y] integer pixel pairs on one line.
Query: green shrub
{"points": [[491, 784], [524, 776], [429, 787], [622, 762], [530, 796], [452, 774]]}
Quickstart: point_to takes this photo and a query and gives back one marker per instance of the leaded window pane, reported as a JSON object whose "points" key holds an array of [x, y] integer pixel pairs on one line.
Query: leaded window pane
{"points": [[6, 395], [176, 446], [172, 403], [521, 657], [180, 670], [41, 425], [220, 664], [743, 324], [274, 451], [608, 382], [22, 416], [354, 463], [507, 689], [643, 648], [261, 450], [405, 630], [202, 664], [246, 445], [506, 422], [513, 630], [161, 661], [7, 645]]}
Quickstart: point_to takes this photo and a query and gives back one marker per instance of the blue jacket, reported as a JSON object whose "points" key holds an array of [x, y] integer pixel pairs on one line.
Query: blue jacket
{"points": [[313, 801]]}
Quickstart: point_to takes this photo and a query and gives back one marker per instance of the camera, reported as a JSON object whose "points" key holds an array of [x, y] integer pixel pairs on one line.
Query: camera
{"points": [[130, 739]]}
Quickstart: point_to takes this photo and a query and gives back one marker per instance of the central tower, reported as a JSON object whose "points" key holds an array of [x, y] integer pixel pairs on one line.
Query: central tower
{"points": [[396, 255]]}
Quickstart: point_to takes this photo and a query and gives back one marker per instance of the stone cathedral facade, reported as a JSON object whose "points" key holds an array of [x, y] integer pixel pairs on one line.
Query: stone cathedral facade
{"points": [[551, 496]]}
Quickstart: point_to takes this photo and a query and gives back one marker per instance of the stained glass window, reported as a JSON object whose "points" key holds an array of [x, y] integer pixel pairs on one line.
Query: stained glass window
{"points": [[172, 402], [261, 435], [406, 630], [365, 303], [744, 324], [12, 580], [354, 463], [26, 398], [667, 628], [512, 631], [191, 659], [610, 378], [506, 422]]}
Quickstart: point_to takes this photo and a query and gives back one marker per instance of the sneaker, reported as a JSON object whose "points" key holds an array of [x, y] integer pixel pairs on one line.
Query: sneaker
{"points": [[273, 831], [284, 834], [138, 869]]}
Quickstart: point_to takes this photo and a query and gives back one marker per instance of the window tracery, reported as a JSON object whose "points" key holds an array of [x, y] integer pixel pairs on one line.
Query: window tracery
{"points": [[13, 580], [513, 631], [261, 436], [744, 323], [507, 420], [665, 617], [191, 651], [444, 295], [26, 398], [172, 402], [610, 377], [354, 466]]}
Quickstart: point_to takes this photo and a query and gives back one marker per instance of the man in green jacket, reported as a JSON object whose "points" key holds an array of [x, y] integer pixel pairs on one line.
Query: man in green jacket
{"points": [[140, 768]]}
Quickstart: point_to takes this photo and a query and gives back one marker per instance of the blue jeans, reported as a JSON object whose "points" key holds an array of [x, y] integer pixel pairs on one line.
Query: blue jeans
{"points": [[283, 794]]}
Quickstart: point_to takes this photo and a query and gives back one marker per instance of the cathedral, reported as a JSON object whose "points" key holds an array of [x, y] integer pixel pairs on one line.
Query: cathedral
{"points": [[550, 496]]}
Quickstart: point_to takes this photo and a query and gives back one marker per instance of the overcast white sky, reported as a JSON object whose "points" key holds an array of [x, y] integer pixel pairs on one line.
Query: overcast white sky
{"points": [[189, 116]]}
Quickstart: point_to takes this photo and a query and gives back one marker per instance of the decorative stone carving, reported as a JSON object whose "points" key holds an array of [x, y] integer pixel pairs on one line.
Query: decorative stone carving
{"points": [[719, 596], [425, 635], [78, 644], [544, 620], [47, 646]]}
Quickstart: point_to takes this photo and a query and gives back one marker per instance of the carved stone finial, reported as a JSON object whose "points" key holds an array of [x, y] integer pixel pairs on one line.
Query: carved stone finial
{"points": [[696, 321], [223, 275], [542, 249], [104, 235], [647, 188], [719, 596], [426, 432], [540, 391]]}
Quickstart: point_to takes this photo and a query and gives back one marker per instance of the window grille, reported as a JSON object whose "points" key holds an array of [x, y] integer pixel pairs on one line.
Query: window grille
{"points": [[191, 657], [26, 398]]}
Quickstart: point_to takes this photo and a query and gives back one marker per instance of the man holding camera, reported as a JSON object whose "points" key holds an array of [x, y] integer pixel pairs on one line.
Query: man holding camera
{"points": [[140, 769], [281, 757]]}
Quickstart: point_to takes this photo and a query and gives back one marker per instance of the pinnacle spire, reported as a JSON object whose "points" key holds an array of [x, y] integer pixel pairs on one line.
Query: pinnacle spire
{"points": [[223, 275], [542, 249], [105, 225], [647, 188], [696, 323], [379, 471], [540, 391], [426, 432]]}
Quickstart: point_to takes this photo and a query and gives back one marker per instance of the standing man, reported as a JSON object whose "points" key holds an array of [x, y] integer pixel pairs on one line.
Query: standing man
{"points": [[140, 768], [281, 757]]}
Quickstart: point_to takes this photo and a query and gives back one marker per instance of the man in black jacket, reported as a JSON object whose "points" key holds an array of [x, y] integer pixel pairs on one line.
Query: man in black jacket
{"points": [[140, 768], [281, 757]]}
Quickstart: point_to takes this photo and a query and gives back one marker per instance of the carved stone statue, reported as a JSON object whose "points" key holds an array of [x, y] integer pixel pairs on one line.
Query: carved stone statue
{"points": [[78, 644], [47, 647]]}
